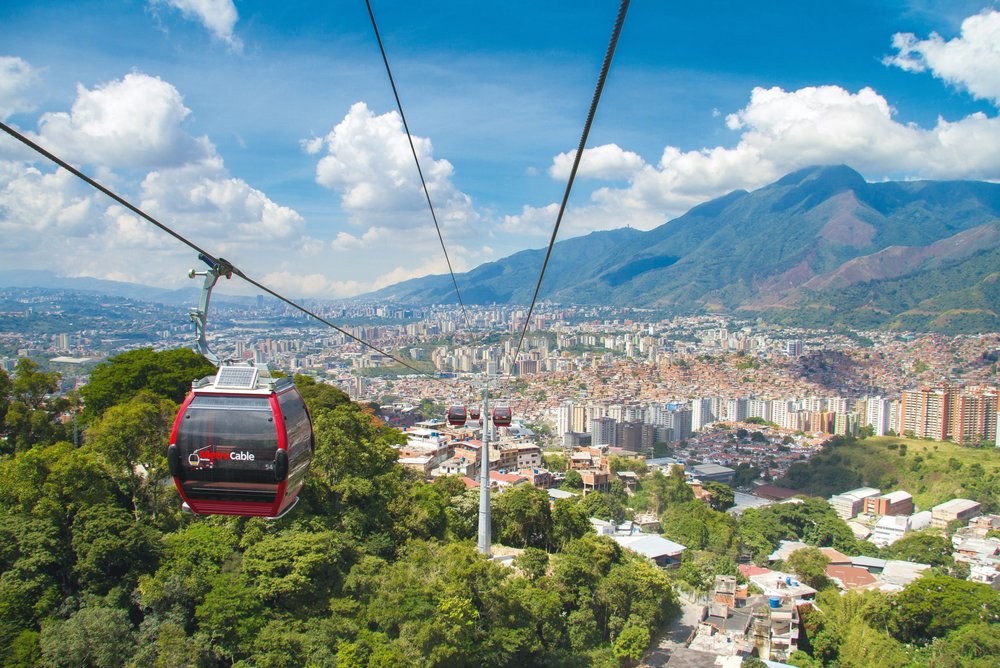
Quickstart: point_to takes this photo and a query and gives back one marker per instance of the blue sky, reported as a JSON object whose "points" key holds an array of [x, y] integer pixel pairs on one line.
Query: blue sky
{"points": [[267, 132]]}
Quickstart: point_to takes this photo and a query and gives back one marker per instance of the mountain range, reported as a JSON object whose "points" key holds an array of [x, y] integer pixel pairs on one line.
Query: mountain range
{"points": [[819, 247]]}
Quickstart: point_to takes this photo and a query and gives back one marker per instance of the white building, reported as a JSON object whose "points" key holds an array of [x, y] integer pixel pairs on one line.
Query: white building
{"points": [[890, 528]]}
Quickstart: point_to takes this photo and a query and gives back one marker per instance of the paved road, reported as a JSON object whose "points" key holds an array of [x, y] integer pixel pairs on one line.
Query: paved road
{"points": [[675, 635]]}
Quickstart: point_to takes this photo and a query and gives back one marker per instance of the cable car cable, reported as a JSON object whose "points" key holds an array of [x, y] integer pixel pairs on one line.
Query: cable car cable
{"points": [[619, 21], [409, 137], [208, 257]]}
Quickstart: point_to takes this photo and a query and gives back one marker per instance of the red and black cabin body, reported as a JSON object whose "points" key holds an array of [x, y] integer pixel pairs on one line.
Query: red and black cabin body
{"points": [[502, 416], [241, 445], [456, 416]]}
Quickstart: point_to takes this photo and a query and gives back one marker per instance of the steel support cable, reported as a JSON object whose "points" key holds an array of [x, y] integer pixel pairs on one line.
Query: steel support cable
{"points": [[619, 21], [420, 172], [211, 259]]}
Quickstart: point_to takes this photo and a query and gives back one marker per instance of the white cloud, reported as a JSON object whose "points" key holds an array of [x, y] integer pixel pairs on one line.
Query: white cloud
{"points": [[35, 207], [346, 242], [970, 61], [133, 122], [130, 134], [534, 221], [218, 16], [17, 77], [601, 162], [369, 162], [202, 199], [781, 131], [314, 285]]}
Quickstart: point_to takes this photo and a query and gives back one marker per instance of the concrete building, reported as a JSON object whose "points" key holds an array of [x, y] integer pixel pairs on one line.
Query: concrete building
{"points": [[604, 431], [850, 504], [890, 528], [925, 412], [894, 503], [974, 415], [950, 511]]}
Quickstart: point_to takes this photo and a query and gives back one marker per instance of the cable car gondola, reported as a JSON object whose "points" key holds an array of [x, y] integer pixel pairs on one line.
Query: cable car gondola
{"points": [[241, 444], [502, 416], [474, 413], [456, 416]]}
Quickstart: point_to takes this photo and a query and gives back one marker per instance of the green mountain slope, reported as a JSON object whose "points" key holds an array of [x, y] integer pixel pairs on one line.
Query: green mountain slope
{"points": [[819, 246]]}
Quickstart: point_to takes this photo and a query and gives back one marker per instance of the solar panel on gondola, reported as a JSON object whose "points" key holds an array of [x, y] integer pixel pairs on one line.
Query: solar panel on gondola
{"points": [[241, 444]]}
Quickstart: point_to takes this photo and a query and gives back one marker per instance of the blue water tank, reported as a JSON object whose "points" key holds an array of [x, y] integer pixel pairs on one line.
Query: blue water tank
{"points": [[788, 580], [775, 602]]}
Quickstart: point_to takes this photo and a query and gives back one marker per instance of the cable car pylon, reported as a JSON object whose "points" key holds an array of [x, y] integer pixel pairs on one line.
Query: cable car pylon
{"points": [[484, 477]]}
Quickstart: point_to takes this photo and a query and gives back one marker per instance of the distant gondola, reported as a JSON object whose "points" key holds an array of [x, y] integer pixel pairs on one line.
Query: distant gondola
{"points": [[241, 444], [474, 413], [502, 416], [456, 416]]}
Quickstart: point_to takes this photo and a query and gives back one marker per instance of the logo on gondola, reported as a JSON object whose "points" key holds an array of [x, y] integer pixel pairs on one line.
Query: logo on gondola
{"points": [[204, 457]]}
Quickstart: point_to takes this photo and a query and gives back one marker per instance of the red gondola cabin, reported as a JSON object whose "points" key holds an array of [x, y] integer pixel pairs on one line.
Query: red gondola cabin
{"points": [[474, 413], [241, 444], [456, 416], [502, 416]]}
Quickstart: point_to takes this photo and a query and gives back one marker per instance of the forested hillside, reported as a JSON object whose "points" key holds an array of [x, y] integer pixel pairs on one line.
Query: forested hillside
{"points": [[100, 568]]}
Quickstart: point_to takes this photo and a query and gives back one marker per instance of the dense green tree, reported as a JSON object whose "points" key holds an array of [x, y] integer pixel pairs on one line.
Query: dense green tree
{"points": [[696, 526], [698, 570], [922, 547], [809, 564], [95, 637], [55, 482], [420, 511], [723, 497], [356, 475], [935, 605], [167, 374], [631, 644], [603, 506], [320, 397], [569, 522], [32, 411], [6, 385], [676, 489], [296, 571], [573, 480], [131, 438], [111, 549], [231, 614], [522, 517], [865, 646], [25, 651], [532, 562], [462, 514], [975, 645], [190, 557]]}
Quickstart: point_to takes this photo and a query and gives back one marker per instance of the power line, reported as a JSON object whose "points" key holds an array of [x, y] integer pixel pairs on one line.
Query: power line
{"points": [[209, 257], [409, 137], [619, 21]]}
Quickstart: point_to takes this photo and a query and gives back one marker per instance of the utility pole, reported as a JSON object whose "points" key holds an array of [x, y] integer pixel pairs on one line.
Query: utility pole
{"points": [[484, 477]]}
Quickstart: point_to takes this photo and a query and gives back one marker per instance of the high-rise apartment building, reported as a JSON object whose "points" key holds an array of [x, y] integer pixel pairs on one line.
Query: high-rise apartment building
{"points": [[924, 413], [603, 431], [701, 414], [974, 415], [876, 414]]}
